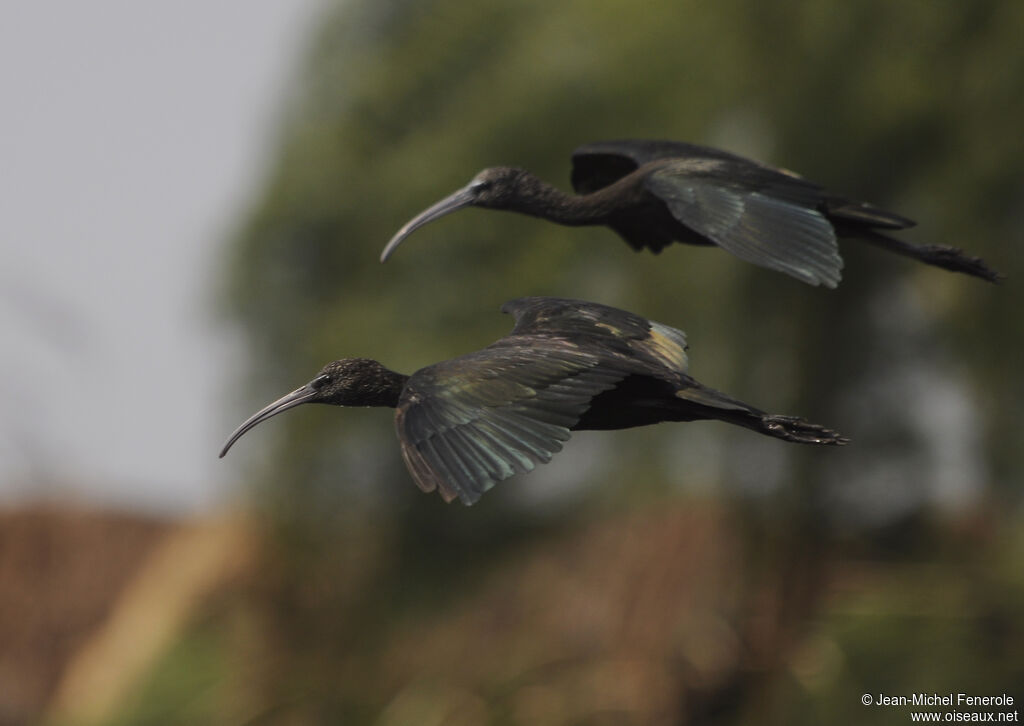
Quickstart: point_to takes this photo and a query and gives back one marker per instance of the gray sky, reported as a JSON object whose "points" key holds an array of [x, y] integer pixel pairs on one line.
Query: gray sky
{"points": [[132, 137]]}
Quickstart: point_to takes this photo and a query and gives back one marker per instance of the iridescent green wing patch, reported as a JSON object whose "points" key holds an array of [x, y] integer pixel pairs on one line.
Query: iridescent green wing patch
{"points": [[473, 421]]}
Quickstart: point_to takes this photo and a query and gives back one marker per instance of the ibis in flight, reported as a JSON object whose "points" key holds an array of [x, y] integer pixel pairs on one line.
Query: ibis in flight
{"points": [[469, 422], [653, 193]]}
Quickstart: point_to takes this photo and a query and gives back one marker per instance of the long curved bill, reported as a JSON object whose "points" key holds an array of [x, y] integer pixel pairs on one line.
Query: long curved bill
{"points": [[293, 399], [462, 198]]}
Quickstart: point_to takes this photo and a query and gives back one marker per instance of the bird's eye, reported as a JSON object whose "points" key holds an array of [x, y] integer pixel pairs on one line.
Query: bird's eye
{"points": [[480, 185], [320, 381]]}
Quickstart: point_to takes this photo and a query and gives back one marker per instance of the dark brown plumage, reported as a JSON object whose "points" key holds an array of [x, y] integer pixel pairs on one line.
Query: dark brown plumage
{"points": [[467, 423], [653, 193]]}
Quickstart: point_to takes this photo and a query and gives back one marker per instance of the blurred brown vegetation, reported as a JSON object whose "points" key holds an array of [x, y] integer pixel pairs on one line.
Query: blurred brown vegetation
{"points": [[676, 574], [60, 571]]}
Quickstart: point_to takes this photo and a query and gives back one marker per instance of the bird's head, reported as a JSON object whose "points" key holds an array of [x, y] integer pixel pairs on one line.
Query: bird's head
{"points": [[349, 382], [346, 382], [497, 187]]}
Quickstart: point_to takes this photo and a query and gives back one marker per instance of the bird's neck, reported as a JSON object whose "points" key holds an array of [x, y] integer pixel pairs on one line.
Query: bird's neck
{"points": [[540, 199], [382, 388]]}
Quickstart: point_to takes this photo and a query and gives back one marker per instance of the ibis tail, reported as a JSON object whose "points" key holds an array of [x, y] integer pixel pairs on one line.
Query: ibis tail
{"points": [[698, 401], [948, 258]]}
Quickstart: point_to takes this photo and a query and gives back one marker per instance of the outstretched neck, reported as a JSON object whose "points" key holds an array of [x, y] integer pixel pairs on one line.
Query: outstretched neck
{"points": [[538, 198], [383, 388]]}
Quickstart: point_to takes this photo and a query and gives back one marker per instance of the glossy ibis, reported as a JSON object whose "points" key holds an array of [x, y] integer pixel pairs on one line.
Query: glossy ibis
{"points": [[655, 192], [467, 423]]}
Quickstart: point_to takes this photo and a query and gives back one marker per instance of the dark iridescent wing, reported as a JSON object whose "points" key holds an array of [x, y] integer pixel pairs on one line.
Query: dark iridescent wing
{"points": [[616, 330], [761, 216], [470, 422], [599, 164]]}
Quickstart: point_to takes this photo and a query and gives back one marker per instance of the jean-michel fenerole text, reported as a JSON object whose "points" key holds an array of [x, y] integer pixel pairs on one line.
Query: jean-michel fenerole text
{"points": [[943, 699]]}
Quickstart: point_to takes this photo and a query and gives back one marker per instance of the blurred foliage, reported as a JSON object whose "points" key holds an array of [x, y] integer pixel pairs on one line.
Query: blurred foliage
{"points": [[595, 624], [914, 105]]}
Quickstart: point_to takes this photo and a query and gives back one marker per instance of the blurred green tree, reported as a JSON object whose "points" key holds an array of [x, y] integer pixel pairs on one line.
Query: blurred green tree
{"points": [[915, 106]]}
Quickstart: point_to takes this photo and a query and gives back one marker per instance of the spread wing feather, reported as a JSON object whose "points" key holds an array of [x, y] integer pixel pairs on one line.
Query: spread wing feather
{"points": [[773, 227], [601, 163], [470, 422], [617, 330]]}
